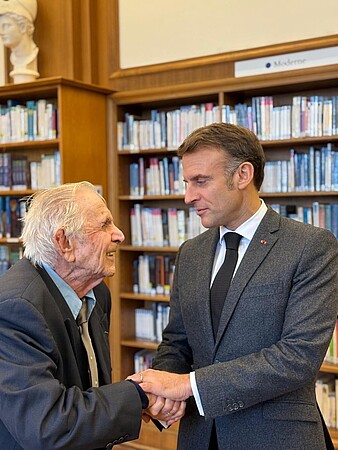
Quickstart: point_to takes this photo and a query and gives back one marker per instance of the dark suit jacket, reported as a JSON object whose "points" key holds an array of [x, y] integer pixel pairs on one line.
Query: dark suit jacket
{"points": [[44, 401], [256, 380]]}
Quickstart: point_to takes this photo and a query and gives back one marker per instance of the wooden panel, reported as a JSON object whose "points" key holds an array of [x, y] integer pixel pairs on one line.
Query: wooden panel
{"points": [[54, 37], [82, 124]]}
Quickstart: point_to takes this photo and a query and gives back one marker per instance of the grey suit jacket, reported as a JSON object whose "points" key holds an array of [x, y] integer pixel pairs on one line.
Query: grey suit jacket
{"points": [[257, 378], [44, 400]]}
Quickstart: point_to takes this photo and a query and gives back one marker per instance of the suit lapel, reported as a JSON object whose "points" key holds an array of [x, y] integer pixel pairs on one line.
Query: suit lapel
{"points": [[70, 342], [203, 277], [261, 244]]}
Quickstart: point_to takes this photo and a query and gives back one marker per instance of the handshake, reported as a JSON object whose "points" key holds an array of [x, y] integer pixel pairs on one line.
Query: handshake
{"points": [[166, 393]]}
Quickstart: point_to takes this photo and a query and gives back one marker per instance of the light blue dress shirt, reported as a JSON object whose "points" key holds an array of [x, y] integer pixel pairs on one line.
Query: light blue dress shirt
{"points": [[73, 301]]}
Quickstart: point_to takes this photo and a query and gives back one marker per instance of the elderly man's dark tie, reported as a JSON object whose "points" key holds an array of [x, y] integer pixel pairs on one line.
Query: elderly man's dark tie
{"points": [[221, 284], [84, 331]]}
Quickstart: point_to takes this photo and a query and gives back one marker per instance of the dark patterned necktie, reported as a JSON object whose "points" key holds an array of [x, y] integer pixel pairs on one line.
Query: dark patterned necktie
{"points": [[221, 284]]}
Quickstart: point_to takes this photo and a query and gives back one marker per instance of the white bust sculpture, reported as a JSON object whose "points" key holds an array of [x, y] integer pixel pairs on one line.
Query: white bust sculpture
{"points": [[16, 31]]}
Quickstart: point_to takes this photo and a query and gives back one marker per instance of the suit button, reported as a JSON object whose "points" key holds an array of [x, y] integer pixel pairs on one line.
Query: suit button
{"points": [[240, 404], [229, 408], [120, 440], [235, 406], [109, 446]]}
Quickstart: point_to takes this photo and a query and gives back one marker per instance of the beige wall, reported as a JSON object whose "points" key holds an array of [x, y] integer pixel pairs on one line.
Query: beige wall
{"points": [[157, 31]]}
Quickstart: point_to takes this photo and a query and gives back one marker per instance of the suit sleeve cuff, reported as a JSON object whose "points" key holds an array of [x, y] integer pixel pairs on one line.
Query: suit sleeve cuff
{"points": [[142, 394]]}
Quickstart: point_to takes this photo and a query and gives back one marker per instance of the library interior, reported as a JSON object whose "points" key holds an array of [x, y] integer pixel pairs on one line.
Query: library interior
{"points": [[107, 93]]}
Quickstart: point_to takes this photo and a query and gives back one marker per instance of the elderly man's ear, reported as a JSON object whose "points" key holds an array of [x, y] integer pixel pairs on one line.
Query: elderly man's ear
{"points": [[64, 246]]}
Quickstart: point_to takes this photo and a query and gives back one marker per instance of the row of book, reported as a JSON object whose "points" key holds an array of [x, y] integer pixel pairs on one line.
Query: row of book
{"points": [[156, 176], [315, 170], [153, 274], [156, 227], [9, 255], [323, 215], [12, 210], [151, 320], [28, 121], [163, 227], [163, 129], [143, 360], [304, 116], [327, 398], [18, 173]]}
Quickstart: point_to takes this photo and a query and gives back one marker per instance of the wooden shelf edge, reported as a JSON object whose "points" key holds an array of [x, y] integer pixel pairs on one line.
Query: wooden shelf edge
{"points": [[329, 367], [134, 248], [137, 343], [307, 140], [151, 197], [300, 194], [144, 297]]}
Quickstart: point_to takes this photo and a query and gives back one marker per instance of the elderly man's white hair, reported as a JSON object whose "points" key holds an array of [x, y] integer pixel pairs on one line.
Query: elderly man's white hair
{"points": [[48, 211]]}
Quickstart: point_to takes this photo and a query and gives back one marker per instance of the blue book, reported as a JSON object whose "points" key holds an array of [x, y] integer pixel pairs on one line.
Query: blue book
{"points": [[334, 218], [166, 176], [8, 216], [175, 160], [335, 171], [134, 179], [163, 124], [31, 118]]}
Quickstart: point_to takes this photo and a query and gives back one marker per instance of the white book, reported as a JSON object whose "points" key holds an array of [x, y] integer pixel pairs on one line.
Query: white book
{"points": [[181, 226], [41, 119], [173, 227], [157, 235], [137, 232]]}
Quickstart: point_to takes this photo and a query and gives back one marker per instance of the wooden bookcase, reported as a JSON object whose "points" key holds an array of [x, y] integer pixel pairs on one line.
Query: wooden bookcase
{"points": [[283, 86], [81, 138]]}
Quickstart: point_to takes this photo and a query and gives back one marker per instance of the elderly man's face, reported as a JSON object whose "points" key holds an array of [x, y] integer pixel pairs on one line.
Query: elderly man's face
{"points": [[10, 31], [94, 254]]}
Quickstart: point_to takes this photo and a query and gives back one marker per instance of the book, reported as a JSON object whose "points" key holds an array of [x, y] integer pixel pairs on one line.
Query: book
{"points": [[20, 179]]}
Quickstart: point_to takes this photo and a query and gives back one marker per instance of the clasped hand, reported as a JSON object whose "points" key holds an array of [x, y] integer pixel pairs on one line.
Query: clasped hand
{"points": [[166, 392]]}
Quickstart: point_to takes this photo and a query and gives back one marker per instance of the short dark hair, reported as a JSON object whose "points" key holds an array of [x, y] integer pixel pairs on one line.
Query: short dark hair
{"points": [[239, 143]]}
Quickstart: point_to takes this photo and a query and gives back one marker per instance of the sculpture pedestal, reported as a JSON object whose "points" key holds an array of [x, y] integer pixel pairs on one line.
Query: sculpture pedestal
{"points": [[24, 76]]}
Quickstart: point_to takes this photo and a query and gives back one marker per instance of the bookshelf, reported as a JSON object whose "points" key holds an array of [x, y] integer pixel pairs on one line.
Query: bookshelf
{"points": [[70, 144], [140, 103]]}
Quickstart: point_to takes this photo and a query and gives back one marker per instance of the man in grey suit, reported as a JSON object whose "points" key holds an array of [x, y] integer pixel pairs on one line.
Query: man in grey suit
{"points": [[49, 400], [250, 383]]}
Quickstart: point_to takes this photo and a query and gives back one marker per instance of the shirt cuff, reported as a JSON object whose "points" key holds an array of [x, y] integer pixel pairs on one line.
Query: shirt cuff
{"points": [[196, 393]]}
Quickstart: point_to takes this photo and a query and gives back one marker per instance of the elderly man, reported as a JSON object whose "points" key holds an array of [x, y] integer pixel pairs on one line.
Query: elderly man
{"points": [[55, 373]]}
